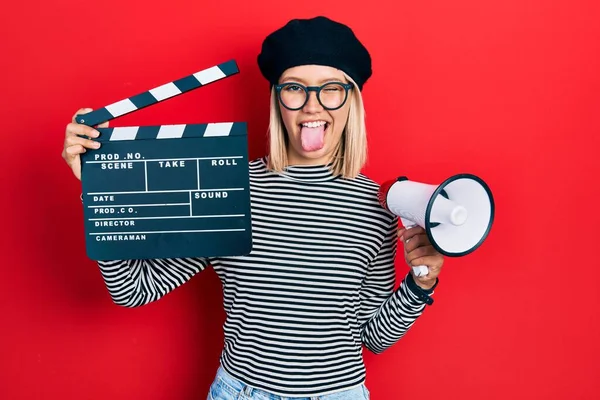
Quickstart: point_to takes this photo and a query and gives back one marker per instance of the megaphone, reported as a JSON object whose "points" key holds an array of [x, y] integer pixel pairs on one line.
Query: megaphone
{"points": [[457, 215]]}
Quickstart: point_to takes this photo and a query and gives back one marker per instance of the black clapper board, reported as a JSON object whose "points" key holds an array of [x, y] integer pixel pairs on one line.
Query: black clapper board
{"points": [[167, 191]]}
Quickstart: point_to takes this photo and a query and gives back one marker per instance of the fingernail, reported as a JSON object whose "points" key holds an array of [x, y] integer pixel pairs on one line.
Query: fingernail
{"points": [[97, 145]]}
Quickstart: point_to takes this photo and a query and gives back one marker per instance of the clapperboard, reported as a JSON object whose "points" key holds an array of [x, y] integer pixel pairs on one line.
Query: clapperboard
{"points": [[167, 191]]}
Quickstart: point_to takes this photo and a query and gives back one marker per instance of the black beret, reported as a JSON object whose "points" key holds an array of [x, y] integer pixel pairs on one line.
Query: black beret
{"points": [[319, 41]]}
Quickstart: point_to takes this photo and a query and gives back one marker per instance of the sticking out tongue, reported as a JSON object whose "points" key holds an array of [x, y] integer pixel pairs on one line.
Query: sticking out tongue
{"points": [[312, 138]]}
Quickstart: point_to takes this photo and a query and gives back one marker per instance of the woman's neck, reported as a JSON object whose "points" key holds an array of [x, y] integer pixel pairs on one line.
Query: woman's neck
{"points": [[294, 159]]}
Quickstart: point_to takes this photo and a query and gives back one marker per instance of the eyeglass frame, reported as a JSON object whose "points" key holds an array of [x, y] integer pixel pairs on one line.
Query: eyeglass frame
{"points": [[317, 89]]}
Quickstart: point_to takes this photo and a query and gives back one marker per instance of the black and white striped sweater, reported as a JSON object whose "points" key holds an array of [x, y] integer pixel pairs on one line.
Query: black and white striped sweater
{"points": [[318, 284]]}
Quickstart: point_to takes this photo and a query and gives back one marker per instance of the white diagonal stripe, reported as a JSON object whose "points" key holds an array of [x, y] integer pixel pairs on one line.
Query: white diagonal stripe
{"points": [[218, 129], [170, 131], [165, 91], [121, 107], [209, 75], [124, 133]]}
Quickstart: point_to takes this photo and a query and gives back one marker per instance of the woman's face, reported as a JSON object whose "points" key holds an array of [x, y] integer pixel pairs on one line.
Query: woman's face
{"points": [[313, 131]]}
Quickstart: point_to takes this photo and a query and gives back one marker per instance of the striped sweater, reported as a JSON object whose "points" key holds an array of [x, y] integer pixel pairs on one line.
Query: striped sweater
{"points": [[317, 285]]}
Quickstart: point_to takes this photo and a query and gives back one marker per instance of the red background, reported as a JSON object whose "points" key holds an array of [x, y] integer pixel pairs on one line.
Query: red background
{"points": [[508, 90]]}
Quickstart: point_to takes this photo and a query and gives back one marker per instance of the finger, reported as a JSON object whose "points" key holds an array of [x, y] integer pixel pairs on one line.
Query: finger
{"points": [[83, 130], [103, 125], [433, 262], [416, 242], [76, 140], [75, 150], [412, 243], [79, 112], [410, 232], [401, 232], [420, 252], [432, 273]]}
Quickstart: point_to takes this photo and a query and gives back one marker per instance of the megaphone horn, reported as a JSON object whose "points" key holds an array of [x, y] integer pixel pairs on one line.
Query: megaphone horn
{"points": [[457, 215]]}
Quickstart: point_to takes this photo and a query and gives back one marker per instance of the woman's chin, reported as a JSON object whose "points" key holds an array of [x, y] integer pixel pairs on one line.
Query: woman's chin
{"points": [[316, 156]]}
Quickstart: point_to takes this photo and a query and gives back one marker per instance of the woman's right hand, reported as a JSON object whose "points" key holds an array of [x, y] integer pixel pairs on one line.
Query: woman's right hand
{"points": [[74, 145]]}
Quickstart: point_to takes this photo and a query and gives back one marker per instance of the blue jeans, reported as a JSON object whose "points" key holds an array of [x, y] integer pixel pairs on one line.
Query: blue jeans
{"points": [[226, 387]]}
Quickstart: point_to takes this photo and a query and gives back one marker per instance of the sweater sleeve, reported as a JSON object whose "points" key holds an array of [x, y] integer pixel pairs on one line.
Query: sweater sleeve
{"points": [[387, 314], [133, 283]]}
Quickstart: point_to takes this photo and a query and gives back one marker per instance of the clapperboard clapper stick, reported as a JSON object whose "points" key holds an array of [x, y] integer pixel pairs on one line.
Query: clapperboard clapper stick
{"points": [[167, 191]]}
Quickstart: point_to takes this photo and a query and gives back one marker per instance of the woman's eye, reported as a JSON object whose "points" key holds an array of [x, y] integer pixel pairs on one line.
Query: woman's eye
{"points": [[332, 87]]}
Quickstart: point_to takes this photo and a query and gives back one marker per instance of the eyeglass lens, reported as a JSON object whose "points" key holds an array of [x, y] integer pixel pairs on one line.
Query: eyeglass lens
{"points": [[332, 95]]}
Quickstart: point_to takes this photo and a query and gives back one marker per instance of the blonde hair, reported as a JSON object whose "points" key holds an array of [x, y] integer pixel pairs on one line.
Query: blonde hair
{"points": [[349, 156]]}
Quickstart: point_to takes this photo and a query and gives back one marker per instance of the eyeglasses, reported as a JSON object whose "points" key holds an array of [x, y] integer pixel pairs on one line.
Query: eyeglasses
{"points": [[331, 95]]}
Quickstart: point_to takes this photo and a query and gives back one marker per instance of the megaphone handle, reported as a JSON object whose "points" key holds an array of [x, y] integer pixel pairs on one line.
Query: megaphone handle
{"points": [[419, 270]]}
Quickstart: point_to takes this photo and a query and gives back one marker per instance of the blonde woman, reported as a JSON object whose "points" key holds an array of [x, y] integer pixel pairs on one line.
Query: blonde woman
{"points": [[318, 284]]}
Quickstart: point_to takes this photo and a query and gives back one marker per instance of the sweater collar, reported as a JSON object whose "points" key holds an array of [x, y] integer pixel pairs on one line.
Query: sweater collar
{"points": [[308, 173]]}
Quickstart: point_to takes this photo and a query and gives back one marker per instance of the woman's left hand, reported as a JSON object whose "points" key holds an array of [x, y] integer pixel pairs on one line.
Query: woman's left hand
{"points": [[418, 250]]}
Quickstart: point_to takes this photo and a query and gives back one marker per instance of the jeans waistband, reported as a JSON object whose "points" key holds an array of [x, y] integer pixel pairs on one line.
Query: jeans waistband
{"points": [[226, 382]]}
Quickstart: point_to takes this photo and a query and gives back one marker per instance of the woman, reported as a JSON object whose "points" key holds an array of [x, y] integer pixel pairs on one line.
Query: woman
{"points": [[319, 282]]}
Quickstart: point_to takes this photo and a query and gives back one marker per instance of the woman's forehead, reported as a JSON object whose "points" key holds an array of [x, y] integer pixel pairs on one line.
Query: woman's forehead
{"points": [[312, 74]]}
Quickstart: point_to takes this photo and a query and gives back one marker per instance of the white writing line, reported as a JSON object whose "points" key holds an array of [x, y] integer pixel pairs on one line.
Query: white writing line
{"points": [[172, 217], [162, 159], [140, 205], [146, 174], [148, 232], [167, 191]]}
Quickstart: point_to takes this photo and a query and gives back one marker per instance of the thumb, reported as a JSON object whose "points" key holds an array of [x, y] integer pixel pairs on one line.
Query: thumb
{"points": [[81, 111]]}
